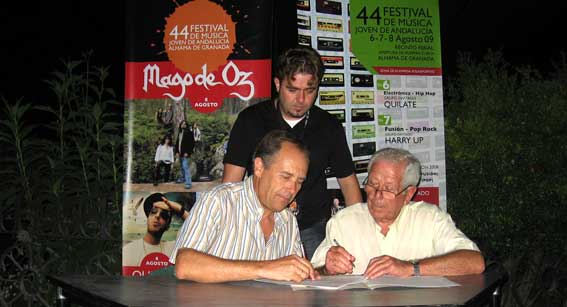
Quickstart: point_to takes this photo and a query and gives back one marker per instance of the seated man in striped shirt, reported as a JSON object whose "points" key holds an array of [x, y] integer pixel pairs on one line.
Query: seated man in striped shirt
{"points": [[243, 231]]}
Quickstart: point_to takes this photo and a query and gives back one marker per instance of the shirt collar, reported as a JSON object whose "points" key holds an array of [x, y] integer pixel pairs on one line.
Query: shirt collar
{"points": [[394, 224]]}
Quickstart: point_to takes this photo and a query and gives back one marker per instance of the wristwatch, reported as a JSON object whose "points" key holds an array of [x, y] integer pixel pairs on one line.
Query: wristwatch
{"points": [[415, 264]]}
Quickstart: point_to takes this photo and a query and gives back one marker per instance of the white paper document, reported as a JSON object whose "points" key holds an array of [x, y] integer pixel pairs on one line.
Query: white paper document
{"points": [[343, 282]]}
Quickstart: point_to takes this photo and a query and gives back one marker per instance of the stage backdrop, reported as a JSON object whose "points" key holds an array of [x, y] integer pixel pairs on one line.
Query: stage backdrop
{"points": [[383, 79], [196, 61]]}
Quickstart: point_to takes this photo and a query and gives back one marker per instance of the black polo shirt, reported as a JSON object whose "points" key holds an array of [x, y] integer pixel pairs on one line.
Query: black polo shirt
{"points": [[325, 139]]}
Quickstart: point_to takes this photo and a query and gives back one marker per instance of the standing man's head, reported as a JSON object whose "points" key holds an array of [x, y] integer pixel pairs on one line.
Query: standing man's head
{"points": [[297, 75], [158, 218], [393, 176], [182, 125], [280, 168]]}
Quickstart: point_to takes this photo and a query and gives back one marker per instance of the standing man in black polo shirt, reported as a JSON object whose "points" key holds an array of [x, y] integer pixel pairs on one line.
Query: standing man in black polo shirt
{"points": [[298, 73]]}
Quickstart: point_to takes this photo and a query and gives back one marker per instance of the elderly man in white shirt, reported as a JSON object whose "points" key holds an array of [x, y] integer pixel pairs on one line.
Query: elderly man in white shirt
{"points": [[390, 235]]}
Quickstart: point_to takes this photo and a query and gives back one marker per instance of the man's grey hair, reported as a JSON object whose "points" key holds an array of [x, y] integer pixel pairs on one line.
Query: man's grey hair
{"points": [[412, 172]]}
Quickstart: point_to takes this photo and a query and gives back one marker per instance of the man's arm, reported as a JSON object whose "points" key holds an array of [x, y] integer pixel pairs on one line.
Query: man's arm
{"points": [[173, 206], [176, 146], [240, 146], [158, 149], [197, 266], [350, 189], [232, 173], [460, 262]]}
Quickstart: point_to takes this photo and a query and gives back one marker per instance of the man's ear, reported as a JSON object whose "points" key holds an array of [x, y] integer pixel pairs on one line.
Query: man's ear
{"points": [[277, 84], [410, 193], [258, 167]]}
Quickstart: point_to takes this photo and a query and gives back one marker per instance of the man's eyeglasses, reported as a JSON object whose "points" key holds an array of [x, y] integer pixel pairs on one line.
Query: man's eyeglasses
{"points": [[386, 194]]}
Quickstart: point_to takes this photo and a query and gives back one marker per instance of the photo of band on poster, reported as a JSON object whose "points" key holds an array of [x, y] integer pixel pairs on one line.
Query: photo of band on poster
{"points": [[383, 80]]}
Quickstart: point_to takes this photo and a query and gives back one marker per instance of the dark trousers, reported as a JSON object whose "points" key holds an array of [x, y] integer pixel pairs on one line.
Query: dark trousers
{"points": [[311, 237], [167, 168]]}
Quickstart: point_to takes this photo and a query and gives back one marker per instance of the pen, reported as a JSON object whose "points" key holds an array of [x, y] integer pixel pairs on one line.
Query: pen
{"points": [[337, 244]]}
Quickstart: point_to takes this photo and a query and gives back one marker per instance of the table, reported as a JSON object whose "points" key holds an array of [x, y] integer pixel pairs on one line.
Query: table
{"points": [[476, 290]]}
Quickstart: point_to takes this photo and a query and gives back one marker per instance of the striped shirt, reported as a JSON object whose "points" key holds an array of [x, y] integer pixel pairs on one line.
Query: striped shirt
{"points": [[225, 222]]}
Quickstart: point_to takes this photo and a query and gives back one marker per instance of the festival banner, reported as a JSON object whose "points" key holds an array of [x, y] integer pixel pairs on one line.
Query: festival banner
{"points": [[383, 80], [191, 66]]}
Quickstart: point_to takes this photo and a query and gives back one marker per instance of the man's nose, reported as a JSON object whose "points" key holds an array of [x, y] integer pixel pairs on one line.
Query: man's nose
{"points": [[301, 96], [293, 186], [376, 194]]}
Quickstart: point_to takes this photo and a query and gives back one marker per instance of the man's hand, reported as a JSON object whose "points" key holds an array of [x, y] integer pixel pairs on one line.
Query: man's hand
{"points": [[338, 261], [387, 265], [288, 268], [172, 206]]}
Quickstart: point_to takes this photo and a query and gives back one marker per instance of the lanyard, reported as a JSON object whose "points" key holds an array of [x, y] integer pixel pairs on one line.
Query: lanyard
{"points": [[301, 135]]}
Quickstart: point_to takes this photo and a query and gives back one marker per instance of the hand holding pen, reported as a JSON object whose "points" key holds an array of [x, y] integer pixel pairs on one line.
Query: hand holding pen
{"points": [[338, 260]]}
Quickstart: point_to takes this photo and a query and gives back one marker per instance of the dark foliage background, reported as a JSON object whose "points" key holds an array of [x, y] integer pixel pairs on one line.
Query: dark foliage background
{"points": [[506, 155], [62, 185]]}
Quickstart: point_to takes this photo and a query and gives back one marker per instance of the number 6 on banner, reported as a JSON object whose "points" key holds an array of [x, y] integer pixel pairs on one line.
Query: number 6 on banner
{"points": [[383, 85]]}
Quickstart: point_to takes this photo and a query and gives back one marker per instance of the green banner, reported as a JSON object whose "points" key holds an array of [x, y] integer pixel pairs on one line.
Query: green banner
{"points": [[397, 37]]}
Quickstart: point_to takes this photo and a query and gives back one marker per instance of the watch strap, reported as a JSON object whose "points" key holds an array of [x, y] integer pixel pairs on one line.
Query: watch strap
{"points": [[416, 269]]}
